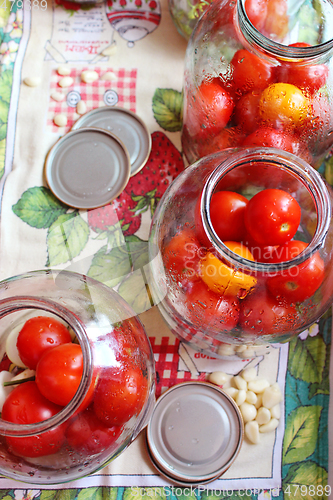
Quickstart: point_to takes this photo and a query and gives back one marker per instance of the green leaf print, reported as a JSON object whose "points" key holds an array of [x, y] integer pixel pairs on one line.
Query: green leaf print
{"points": [[133, 290], [167, 109], [6, 80], [224, 495], [329, 170], [3, 131], [110, 267], [307, 359], [305, 481], [48, 494], [136, 493], [66, 494], [185, 495], [301, 433], [94, 494], [38, 207], [2, 156], [66, 238], [4, 108]]}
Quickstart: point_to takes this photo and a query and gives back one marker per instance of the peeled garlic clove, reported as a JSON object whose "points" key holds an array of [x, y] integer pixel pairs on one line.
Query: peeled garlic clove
{"points": [[63, 70], [263, 415], [249, 374], [218, 378], [226, 350], [240, 383], [81, 107], [249, 412], [60, 120], [271, 396], [251, 397], [231, 391], [259, 401], [276, 411], [89, 76], [11, 348], [110, 51], [4, 390], [66, 81], [252, 431], [258, 385], [32, 81], [57, 96], [240, 397], [271, 426]]}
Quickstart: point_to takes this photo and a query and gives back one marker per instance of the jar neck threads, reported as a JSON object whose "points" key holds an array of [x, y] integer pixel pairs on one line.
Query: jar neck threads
{"points": [[308, 179], [322, 51]]}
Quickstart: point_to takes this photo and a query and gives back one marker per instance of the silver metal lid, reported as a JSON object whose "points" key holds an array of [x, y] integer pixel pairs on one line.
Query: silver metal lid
{"points": [[195, 433], [87, 168], [126, 125]]}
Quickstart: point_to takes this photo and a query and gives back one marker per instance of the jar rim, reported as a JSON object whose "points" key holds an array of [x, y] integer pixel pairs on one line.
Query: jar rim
{"points": [[14, 304], [275, 48], [311, 180]]}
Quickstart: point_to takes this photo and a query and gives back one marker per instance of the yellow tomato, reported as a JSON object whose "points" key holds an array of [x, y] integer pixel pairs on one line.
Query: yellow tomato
{"points": [[224, 279], [283, 103]]}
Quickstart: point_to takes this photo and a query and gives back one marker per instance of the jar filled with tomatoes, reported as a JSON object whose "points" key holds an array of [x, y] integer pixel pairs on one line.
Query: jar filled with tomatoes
{"points": [[77, 376], [259, 73], [241, 251]]}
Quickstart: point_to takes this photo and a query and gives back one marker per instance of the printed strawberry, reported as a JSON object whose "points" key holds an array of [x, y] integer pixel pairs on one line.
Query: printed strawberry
{"points": [[163, 165], [104, 220]]}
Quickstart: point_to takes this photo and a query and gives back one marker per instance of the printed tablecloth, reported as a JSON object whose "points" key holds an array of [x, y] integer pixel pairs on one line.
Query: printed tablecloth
{"points": [[143, 55]]}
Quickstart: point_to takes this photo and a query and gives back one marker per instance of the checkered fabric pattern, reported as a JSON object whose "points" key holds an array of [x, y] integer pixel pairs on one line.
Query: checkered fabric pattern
{"points": [[122, 90], [166, 355]]}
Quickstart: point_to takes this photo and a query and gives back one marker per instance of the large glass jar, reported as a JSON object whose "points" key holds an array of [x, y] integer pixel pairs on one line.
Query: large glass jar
{"points": [[266, 84], [231, 298], [43, 440]]}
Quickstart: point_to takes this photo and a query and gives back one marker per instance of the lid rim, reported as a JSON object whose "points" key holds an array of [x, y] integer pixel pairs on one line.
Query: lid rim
{"points": [[164, 403]]}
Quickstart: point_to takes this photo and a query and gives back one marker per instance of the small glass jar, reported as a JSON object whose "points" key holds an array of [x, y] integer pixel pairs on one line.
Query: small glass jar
{"points": [[87, 433], [230, 304], [267, 84]]}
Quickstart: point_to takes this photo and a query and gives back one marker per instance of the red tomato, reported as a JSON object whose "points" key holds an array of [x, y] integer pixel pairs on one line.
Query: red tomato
{"points": [[37, 336], [227, 138], [256, 11], [181, 256], [249, 72], [87, 434], [261, 314], [216, 107], [26, 405], [271, 138], [227, 217], [299, 282], [207, 308], [285, 252], [227, 210], [277, 20], [59, 372], [260, 253], [309, 77], [272, 217], [246, 111], [120, 395]]}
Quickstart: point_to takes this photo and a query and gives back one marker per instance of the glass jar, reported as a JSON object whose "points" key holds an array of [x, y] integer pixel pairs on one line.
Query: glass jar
{"points": [[185, 14], [264, 86], [75, 439], [228, 303]]}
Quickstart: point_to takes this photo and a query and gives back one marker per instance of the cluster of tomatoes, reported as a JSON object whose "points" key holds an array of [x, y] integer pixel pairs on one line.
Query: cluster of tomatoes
{"points": [[258, 104], [220, 295], [117, 391]]}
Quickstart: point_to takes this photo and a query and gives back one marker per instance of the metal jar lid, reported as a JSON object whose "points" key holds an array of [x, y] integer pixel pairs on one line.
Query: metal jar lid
{"points": [[126, 125], [195, 433], [87, 168]]}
